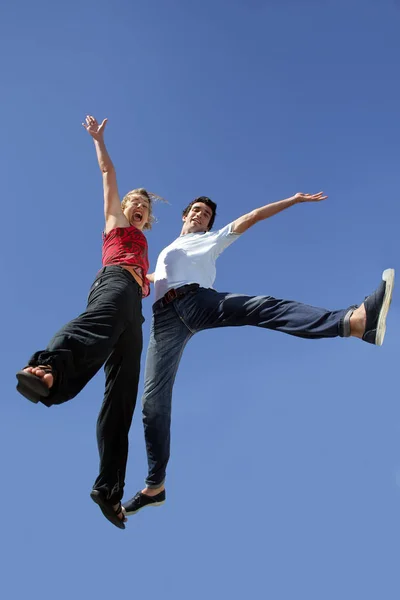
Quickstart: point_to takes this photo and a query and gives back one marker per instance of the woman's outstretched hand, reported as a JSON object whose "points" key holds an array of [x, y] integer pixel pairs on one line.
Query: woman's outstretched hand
{"points": [[94, 129]]}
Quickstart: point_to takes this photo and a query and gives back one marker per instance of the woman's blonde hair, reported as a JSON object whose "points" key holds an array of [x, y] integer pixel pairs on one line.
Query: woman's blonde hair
{"points": [[145, 194]]}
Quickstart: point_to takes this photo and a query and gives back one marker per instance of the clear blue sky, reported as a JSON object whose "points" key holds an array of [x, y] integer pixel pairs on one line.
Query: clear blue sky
{"points": [[284, 481]]}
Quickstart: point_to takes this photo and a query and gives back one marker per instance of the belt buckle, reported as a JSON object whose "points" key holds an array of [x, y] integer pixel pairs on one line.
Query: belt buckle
{"points": [[170, 296]]}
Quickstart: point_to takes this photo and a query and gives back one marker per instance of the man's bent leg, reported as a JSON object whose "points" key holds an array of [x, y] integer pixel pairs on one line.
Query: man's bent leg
{"points": [[168, 338]]}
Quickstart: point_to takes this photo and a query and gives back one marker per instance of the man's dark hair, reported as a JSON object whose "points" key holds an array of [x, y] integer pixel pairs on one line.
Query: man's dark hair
{"points": [[206, 201]]}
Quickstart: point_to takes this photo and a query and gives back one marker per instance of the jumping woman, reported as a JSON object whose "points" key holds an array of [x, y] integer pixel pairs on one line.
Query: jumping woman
{"points": [[108, 333]]}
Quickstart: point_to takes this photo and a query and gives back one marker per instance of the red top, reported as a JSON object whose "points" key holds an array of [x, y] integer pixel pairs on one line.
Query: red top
{"points": [[127, 246]]}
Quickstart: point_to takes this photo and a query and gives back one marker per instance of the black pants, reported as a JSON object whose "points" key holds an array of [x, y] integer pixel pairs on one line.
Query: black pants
{"points": [[108, 333]]}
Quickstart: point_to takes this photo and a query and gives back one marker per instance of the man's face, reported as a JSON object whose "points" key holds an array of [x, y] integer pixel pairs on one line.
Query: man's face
{"points": [[198, 218]]}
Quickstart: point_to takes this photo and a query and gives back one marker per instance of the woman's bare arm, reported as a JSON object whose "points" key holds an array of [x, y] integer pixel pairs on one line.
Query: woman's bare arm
{"points": [[113, 214]]}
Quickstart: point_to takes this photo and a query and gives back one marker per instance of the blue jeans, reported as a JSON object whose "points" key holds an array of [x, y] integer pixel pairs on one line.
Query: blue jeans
{"points": [[174, 324]]}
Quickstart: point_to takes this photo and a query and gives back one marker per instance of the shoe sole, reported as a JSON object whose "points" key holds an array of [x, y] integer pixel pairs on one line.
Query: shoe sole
{"points": [[28, 394], [130, 513], [105, 509], [388, 277], [33, 384]]}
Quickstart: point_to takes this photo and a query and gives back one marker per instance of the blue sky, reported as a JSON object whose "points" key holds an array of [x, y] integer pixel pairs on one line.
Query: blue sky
{"points": [[285, 474]]}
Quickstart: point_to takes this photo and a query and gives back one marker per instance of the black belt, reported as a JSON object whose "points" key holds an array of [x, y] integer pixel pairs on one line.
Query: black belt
{"points": [[179, 292]]}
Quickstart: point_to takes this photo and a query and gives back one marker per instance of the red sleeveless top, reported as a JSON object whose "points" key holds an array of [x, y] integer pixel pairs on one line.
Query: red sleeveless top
{"points": [[127, 246]]}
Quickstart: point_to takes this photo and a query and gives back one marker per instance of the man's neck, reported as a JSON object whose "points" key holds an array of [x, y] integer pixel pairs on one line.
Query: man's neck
{"points": [[185, 232]]}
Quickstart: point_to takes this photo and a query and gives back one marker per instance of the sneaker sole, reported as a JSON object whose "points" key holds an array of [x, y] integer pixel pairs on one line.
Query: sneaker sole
{"points": [[388, 277], [133, 512]]}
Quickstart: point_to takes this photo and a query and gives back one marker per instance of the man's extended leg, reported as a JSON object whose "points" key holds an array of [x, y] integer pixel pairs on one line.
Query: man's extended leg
{"points": [[208, 309]]}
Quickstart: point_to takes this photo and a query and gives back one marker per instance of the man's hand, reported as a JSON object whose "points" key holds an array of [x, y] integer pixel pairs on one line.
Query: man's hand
{"points": [[94, 129], [299, 197]]}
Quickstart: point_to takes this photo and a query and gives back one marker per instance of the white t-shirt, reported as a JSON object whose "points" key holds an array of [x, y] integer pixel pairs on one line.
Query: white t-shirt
{"points": [[191, 259]]}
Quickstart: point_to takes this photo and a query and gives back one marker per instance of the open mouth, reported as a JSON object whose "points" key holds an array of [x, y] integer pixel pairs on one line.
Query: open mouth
{"points": [[137, 217]]}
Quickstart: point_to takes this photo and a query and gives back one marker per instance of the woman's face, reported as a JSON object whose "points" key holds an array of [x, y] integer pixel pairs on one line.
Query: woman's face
{"points": [[137, 211]]}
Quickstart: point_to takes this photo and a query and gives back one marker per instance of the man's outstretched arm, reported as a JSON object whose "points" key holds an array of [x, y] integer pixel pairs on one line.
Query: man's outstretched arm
{"points": [[243, 223]]}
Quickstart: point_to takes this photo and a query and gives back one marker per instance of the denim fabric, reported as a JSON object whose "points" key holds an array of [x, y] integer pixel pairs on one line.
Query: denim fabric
{"points": [[108, 333], [174, 324]]}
